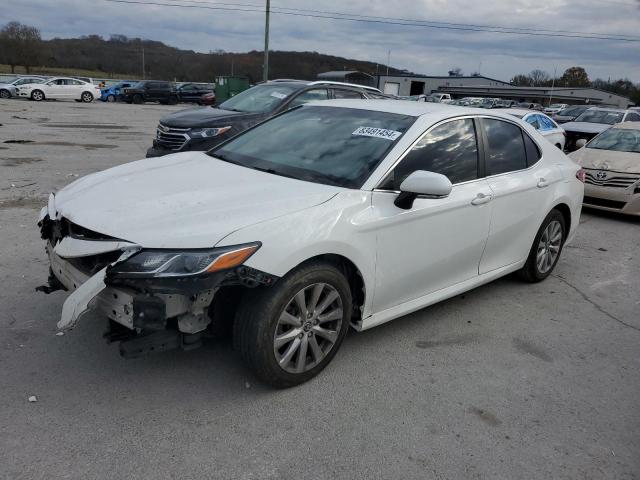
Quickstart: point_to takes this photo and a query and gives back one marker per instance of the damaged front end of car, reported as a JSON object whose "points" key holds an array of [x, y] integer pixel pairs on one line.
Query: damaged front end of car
{"points": [[154, 299]]}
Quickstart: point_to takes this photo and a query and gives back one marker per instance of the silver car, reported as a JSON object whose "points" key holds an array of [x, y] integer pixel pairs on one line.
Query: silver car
{"points": [[8, 90]]}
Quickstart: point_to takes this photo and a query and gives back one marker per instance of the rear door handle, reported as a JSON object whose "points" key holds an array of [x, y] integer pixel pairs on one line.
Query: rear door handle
{"points": [[543, 182], [481, 199]]}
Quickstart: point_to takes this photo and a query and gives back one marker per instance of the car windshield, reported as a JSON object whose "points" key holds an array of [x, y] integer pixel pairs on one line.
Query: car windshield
{"points": [[261, 98], [600, 116], [572, 112], [330, 145], [617, 139]]}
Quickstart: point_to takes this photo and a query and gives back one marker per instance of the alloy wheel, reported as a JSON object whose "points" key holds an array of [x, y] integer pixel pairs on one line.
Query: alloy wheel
{"points": [[87, 97], [37, 95], [308, 328], [549, 246], [4, 94]]}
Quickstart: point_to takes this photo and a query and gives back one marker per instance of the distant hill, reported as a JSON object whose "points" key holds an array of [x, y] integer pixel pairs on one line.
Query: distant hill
{"points": [[124, 55]]}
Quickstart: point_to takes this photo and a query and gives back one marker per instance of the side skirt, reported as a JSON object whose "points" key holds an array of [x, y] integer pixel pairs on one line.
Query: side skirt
{"points": [[435, 297]]}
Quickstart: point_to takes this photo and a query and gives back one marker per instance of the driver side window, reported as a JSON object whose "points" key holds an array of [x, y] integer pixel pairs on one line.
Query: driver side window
{"points": [[450, 149]]}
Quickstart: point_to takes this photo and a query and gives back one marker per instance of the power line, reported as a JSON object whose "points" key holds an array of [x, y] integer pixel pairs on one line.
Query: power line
{"points": [[412, 21], [407, 23]]}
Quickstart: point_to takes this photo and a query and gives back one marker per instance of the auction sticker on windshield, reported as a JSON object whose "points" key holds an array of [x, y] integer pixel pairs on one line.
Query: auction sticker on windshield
{"points": [[279, 95], [377, 133]]}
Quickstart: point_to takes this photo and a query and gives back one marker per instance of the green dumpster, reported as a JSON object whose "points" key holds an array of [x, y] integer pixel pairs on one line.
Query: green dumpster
{"points": [[228, 86]]}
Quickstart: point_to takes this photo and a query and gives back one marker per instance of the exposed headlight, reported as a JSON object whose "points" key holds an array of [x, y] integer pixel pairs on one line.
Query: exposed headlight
{"points": [[182, 263], [207, 132]]}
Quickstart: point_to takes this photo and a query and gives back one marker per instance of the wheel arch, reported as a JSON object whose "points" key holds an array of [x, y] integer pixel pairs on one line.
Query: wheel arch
{"points": [[353, 275], [564, 209]]}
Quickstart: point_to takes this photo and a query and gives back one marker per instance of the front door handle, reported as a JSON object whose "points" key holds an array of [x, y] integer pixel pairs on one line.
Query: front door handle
{"points": [[543, 182], [481, 199]]}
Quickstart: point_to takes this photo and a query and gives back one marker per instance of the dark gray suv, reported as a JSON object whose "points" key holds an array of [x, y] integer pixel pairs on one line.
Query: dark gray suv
{"points": [[205, 127]]}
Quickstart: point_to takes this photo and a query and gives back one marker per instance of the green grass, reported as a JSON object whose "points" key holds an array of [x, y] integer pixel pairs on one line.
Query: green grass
{"points": [[68, 72]]}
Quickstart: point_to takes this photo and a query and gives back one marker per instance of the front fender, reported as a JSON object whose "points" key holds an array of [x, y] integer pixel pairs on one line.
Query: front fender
{"points": [[337, 227]]}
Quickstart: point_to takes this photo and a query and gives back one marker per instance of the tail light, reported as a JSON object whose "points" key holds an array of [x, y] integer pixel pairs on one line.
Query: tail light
{"points": [[581, 175]]}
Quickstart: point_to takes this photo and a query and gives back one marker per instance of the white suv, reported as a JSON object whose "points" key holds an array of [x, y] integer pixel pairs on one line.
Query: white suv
{"points": [[336, 213]]}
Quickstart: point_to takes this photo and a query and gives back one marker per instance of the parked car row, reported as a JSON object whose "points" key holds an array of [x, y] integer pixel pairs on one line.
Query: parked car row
{"points": [[84, 89]]}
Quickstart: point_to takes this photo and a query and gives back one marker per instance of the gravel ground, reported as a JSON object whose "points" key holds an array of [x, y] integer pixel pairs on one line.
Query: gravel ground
{"points": [[509, 381]]}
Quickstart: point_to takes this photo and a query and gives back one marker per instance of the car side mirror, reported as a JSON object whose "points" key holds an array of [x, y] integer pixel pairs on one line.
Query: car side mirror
{"points": [[421, 182], [581, 142]]}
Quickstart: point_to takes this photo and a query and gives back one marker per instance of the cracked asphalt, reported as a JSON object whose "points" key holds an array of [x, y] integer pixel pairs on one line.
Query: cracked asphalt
{"points": [[508, 381]]}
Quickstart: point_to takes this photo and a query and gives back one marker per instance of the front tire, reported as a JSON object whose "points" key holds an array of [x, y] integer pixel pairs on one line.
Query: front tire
{"points": [[137, 99], [546, 248], [288, 333], [111, 98], [37, 95], [5, 93]]}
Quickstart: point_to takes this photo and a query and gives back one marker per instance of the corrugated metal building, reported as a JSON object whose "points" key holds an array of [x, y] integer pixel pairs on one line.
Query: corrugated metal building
{"points": [[542, 95], [405, 85], [348, 76]]}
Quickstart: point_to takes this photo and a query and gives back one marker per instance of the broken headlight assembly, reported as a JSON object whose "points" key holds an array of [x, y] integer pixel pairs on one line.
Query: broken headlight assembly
{"points": [[207, 132], [183, 263]]}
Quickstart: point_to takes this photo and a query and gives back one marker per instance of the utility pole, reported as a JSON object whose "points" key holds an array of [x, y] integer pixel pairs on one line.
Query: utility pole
{"points": [[143, 62], [553, 83], [265, 67], [388, 61]]}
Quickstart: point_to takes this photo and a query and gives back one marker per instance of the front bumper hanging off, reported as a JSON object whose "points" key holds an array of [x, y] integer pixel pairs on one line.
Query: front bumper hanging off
{"points": [[155, 314]]}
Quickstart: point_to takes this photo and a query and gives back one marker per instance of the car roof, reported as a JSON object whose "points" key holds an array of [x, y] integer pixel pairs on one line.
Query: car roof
{"points": [[628, 125], [415, 109], [301, 83], [521, 111]]}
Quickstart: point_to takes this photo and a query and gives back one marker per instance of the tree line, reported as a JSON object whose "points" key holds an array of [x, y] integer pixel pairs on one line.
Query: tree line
{"points": [[21, 45], [578, 77]]}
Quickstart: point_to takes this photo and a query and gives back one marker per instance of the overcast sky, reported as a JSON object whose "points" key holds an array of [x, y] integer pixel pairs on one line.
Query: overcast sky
{"points": [[425, 50]]}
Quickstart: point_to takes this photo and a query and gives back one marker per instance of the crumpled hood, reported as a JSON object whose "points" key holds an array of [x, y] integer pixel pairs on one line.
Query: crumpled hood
{"points": [[184, 200], [624, 162], [204, 117], [585, 127]]}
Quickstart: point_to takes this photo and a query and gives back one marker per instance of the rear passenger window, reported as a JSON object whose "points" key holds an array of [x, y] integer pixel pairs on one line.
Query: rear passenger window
{"points": [[346, 94], [533, 153], [449, 149], [308, 96], [505, 149]]}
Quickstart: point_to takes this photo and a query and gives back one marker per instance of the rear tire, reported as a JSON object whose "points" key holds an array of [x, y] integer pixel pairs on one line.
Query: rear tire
{"points": [[287, 333], [546, 249], [37, 95], [86, 97]]}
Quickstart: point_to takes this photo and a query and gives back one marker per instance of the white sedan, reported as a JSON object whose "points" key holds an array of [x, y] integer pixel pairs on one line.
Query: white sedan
{"points": [[60, 88], [541, 122], [335, 214]]}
